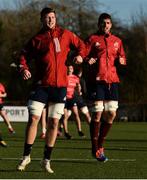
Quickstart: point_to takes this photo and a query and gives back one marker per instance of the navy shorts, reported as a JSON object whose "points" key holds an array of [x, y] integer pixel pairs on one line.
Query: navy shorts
{"points": [[91, 92], [70, 103], [80, 102], [105, 91], [49, 94]]}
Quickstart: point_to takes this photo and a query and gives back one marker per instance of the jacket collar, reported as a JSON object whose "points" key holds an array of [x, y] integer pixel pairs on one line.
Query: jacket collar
{"points": [[56, 32], [103, 34]]}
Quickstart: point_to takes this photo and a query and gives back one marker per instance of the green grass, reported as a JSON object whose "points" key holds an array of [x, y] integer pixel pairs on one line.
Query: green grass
{"points": [[125, 146]]}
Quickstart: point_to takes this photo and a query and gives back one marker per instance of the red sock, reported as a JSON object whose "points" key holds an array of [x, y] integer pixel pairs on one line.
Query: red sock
{"points": [[104, 129], [94, 130]]}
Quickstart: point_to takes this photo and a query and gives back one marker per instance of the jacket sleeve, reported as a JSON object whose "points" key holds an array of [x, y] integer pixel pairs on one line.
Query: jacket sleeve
{"points": [[88, 45], [122, 52], [26, 55], [79, 44]]}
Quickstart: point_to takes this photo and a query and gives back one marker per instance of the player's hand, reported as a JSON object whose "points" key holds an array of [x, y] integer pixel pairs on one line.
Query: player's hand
{"points": [[78, 59], [26, 74], [122, 61], [92, 61]]}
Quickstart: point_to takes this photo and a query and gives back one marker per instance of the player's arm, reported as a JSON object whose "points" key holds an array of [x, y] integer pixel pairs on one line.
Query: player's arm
{"points": [[26, 55], [89, 48], [122, 57], [80, 48]]}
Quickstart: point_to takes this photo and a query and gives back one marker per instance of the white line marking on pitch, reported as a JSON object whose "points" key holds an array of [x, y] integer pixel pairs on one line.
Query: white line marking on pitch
{"points": [[74, 160]]}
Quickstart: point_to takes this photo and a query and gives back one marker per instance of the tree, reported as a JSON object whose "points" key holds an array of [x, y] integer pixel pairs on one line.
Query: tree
{"points": [[136, 42]]}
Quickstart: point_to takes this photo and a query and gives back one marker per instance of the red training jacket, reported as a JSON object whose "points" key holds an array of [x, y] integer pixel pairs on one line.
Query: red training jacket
{"points": [[106, 50], [49, 49], [73, 80]]}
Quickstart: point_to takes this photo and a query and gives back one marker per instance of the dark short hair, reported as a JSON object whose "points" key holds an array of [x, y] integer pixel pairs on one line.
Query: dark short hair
{"points": [[103, 16], [46, 10]]}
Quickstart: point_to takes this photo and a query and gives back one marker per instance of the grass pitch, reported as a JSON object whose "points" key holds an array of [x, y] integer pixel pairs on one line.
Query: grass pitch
{"points": [[125, 146]]}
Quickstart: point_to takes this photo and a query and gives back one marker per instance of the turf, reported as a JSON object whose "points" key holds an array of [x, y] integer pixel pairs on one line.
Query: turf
{"points": [[125, 146]]}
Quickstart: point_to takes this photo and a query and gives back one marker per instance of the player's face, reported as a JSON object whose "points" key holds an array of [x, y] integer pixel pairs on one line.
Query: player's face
{"points": [[105, 26], [49, 20], [70, 69]]}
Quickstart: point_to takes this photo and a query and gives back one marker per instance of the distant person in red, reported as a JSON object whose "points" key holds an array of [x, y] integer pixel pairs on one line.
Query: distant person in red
{"points": [[81, 97], [71, 105], [3, 94], [105, 49]]}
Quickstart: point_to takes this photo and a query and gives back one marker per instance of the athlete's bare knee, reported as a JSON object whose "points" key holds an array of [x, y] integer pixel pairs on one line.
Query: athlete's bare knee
{"points": [[33, 120], [111, 116], [53, 123], [66, 117], [96, 116]]}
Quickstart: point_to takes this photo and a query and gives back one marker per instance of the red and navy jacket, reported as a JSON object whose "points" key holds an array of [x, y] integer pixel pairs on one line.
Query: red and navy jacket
{"points": [[49, 49], [106, 49]]}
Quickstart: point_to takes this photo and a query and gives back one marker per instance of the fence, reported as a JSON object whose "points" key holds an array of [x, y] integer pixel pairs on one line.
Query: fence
{"points": [[126, 112]]}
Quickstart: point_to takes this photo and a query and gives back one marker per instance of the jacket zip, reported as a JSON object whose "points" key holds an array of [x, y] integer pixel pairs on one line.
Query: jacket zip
{"points": [[106, 54], [109, 86]]}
